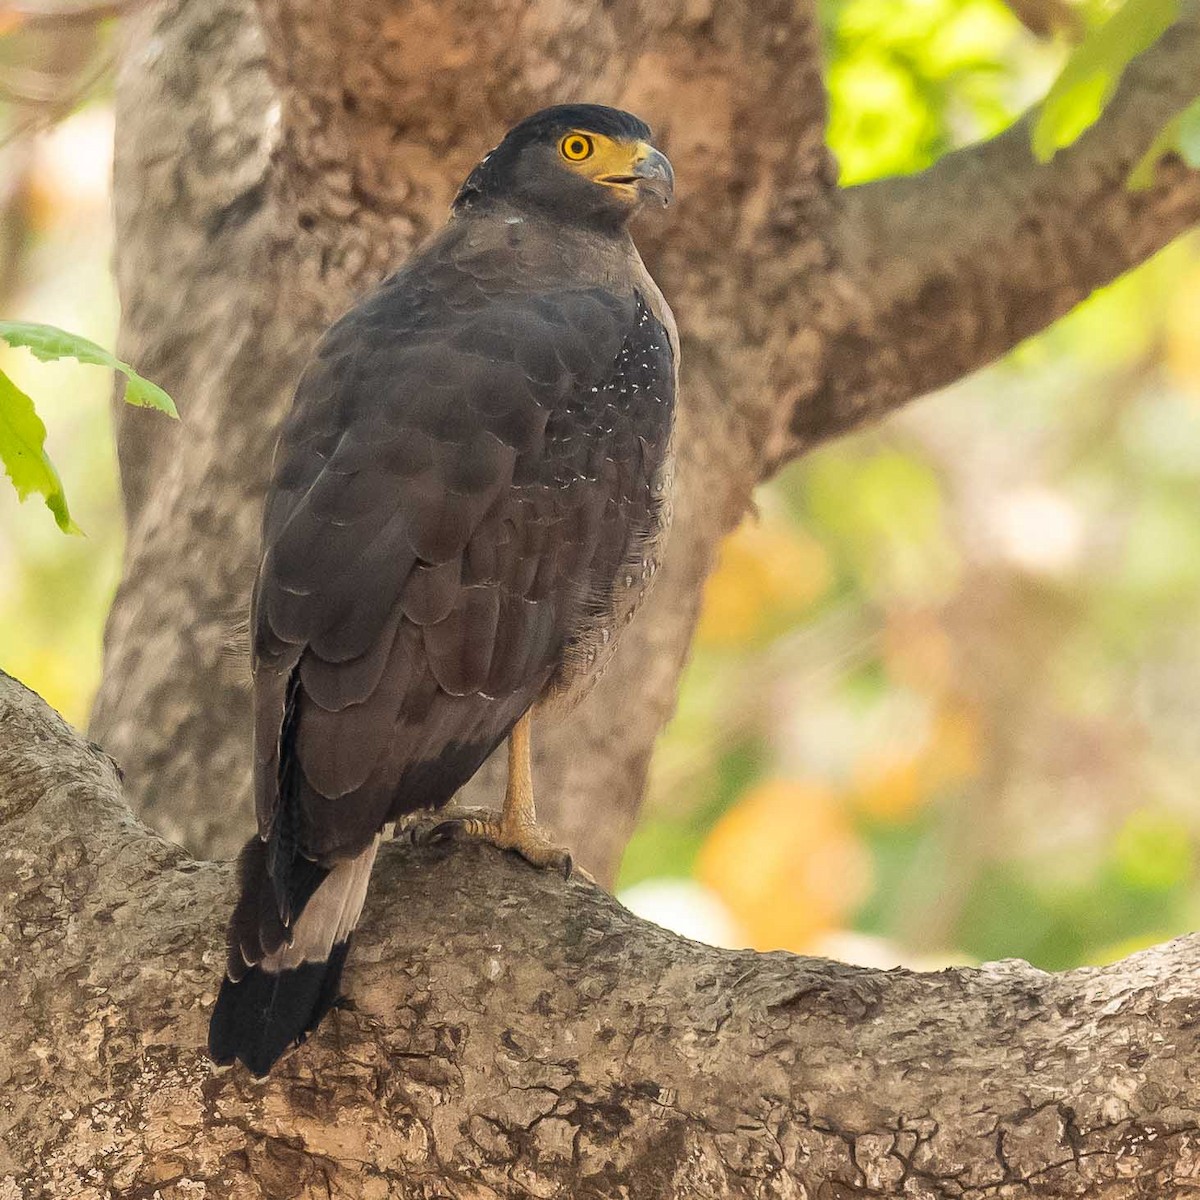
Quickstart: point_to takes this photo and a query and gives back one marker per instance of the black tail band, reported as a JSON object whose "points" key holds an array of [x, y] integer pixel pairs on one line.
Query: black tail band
{"points": [[258, 1017]]}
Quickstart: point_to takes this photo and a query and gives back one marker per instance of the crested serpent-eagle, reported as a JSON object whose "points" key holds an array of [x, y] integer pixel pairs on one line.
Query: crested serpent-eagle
{"points": [[467, 505]]}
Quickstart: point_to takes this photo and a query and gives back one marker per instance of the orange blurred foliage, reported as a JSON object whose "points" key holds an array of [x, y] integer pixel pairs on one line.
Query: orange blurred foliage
{"points": [[786, 861], [955, 750], [887, 786], [917, 651], [769, 573], [892, 784]]}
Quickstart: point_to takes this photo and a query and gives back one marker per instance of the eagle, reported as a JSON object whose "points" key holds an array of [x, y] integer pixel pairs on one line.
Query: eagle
{"points": [[467, 505]]}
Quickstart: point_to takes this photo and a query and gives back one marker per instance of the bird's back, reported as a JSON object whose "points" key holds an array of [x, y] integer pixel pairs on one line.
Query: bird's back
{"points": [[466, 507]]}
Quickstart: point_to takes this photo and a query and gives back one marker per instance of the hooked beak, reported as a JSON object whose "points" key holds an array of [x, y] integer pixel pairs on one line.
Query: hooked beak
{"points": [[654, 175]]}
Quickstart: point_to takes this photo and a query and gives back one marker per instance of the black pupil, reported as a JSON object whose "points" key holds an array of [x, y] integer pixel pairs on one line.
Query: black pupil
{"points": [[578, 147]]}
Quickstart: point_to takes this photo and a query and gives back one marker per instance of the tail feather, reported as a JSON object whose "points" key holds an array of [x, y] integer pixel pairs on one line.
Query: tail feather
{"points": [[281, 981], [265, 1012]]}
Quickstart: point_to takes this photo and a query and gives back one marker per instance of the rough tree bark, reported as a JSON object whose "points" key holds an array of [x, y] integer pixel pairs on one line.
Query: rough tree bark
{"points": [[512, 1035], [272, 163]]}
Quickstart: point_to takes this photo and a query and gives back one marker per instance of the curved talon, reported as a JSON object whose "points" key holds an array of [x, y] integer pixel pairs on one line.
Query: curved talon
{"points": [[457, 827], [432, 835], [423, 835], [430, 831], [573, 870]]}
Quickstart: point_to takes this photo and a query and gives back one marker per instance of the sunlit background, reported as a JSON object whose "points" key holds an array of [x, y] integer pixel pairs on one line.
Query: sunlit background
{"points": [[944, 704]]}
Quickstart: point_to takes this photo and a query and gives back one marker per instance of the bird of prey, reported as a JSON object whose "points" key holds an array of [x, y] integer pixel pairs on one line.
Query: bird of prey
{"points": [[468, 503]]}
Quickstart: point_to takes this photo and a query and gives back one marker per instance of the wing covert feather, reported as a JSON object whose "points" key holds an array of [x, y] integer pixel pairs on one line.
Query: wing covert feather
{"points": [[463, 474]]}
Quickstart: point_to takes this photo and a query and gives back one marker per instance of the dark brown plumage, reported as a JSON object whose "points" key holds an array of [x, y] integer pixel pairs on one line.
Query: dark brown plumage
{"points": [[468, 498]]}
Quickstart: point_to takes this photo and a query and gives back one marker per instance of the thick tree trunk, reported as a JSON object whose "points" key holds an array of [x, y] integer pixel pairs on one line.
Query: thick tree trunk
{"points": [[267, 173], [511, 1035]]}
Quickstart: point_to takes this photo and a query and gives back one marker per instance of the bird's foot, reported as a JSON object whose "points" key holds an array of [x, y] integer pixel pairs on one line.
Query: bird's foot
{"points": [[524, 838]]}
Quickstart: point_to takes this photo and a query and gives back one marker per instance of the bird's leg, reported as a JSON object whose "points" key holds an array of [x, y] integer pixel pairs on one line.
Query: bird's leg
{"points": [[516, 826], [518, 818]]}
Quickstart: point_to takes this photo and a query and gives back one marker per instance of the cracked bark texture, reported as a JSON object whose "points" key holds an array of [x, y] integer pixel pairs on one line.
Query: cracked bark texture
{"points": [[274, 162], [512, 1035]]}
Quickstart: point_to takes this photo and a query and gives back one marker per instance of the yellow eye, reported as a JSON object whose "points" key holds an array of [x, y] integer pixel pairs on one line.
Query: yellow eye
{"points": [[575, 147]]}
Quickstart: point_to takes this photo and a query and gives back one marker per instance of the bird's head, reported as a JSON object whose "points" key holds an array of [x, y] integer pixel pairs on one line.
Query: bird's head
{"points": [[581, 163]]}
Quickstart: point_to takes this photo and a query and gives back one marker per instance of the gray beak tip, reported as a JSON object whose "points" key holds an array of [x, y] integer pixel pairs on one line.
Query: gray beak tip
{"points": [[656, 176]]}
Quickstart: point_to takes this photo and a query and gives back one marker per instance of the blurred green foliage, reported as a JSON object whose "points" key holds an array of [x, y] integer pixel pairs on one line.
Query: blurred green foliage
{"points": [[908, 82], [1089, 80], [55, 240], [989, 680], [1182, 134], [23, 453], [1092, 72], [22, 433]]}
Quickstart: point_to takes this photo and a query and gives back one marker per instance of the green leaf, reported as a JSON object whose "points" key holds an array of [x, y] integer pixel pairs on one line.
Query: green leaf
{"points": [[49, 344], [22, 450], [1142, 175], [1180, 134], [1087, 82], [1187, 141]]}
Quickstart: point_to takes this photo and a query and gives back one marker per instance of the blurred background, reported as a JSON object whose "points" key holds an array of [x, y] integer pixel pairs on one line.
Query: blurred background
{"points": [[944, 704]]}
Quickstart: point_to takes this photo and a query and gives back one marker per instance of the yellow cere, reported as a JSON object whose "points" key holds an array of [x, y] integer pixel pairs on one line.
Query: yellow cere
{"points": [[603, 159]]}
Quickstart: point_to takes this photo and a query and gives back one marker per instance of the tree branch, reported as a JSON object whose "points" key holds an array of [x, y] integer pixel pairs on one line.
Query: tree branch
{"points": [[941, 272], [513, 1035]]}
